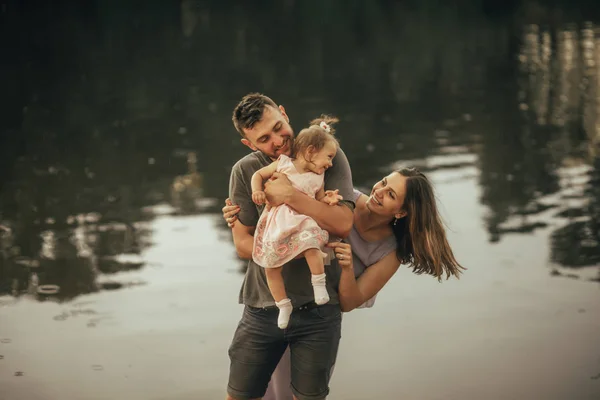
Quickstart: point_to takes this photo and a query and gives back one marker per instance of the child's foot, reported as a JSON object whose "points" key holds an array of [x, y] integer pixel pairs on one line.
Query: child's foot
{"points": [[285, 310], [318, 283]]}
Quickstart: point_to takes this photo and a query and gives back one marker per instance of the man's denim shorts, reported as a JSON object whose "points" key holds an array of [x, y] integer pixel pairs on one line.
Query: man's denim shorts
{"points": [[313, 335]]}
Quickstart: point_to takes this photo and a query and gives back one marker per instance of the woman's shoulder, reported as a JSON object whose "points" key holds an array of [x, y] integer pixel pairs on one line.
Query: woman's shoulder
{"points": [[359, 196]]}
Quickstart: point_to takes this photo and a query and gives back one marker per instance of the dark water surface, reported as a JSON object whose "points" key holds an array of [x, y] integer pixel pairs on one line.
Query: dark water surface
{"points": [[115, 115], [115, 106]]}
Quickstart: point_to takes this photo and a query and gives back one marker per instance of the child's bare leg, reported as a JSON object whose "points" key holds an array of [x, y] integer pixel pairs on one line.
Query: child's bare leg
{"points": [[275, 282], [314, 258], [277, 288]]}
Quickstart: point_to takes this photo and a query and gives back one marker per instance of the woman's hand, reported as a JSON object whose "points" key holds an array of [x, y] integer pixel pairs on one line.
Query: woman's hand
{"points": [[230, 213], [343, 252]]}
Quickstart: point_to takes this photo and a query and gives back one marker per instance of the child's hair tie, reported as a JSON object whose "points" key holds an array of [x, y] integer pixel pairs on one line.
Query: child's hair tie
{"points": [[326, 127]]}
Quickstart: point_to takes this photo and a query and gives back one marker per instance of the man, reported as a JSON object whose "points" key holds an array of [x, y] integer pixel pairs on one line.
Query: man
{"points": [[314, 331]]}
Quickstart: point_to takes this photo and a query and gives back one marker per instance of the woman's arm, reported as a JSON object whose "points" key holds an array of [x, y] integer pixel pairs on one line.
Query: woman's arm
{"points": [[354, 292], [230, 212]]}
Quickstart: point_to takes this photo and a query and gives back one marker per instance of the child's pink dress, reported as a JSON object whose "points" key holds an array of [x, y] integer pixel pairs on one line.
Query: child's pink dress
{"points": [[282, 233]]}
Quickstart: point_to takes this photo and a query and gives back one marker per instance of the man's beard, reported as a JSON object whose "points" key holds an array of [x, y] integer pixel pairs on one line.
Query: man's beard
{"points": [[286, 149]]}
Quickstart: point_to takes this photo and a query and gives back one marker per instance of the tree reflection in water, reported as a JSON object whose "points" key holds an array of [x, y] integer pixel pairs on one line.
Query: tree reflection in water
{"points": [[114, 108]]}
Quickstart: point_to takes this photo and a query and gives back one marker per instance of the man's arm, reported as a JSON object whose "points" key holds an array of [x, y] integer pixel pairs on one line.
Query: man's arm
{"points": [[243, 239], [243, 228], [320, 194], [336, 220]]}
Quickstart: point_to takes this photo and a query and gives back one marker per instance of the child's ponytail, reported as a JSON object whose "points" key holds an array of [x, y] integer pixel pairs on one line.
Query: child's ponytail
{"points": [[325, 121], [316, 135]]}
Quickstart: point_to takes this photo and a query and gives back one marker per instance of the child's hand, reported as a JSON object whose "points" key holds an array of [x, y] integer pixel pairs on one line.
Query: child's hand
{"points": [[332, 197], [259, 197]]}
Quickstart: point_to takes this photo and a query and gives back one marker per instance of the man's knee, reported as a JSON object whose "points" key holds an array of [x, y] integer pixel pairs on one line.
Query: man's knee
{"points": [[255, 350], [313, 355]]}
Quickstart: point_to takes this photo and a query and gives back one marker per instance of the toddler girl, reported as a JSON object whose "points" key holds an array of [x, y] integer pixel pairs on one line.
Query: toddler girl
{"points": [[281, 233]]}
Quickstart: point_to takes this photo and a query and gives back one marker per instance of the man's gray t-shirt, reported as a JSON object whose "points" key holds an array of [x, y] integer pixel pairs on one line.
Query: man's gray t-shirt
{"points": [[296, 274]]}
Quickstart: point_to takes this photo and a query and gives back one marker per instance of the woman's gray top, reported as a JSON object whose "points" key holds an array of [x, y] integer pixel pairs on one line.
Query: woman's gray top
{"points": [[365, 254]]}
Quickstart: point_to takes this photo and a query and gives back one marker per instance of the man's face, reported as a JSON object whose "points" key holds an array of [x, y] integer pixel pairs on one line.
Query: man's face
{"points": [[272, 135]]}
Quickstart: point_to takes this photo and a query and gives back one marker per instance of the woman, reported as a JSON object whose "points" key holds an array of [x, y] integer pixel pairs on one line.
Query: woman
{"points": [[398, 223]]}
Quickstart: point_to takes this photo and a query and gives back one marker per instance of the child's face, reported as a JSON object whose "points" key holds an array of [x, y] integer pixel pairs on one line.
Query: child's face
{"points": [[321, 160]]}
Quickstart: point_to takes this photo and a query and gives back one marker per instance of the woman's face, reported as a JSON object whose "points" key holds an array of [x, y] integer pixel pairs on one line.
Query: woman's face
{"points": [[387, 196]]}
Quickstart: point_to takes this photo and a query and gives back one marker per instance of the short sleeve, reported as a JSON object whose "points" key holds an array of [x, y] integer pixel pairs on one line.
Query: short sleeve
{"points": [[240, 194], [369, 303], [339, 176], [283, 158]]}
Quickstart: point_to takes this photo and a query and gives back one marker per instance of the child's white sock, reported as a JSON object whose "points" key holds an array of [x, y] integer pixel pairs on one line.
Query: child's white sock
{"points": [[318, 283], [285, 310]]}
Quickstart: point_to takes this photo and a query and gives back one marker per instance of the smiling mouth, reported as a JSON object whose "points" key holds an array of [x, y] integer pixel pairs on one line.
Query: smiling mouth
{"points": [[375, 200], [284, 146]]}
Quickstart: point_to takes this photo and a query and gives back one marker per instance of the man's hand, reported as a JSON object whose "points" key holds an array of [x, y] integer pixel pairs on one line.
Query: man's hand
{"points": [[278, 189], [258, 197], [332, 197]]}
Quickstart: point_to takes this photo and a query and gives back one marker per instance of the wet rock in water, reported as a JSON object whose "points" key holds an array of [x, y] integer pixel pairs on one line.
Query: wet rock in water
{"points": [[19, 373], [83, 303], [85, 311], [61, 317], [111, 285], [26, 262], [48, 290]]}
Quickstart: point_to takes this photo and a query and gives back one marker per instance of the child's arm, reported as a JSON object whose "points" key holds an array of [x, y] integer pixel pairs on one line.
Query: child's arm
{"points": [[258, 178], [330, 197]]}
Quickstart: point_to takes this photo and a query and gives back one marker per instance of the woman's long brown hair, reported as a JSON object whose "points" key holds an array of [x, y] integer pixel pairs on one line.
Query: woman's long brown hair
{"points": [[420, 235]]}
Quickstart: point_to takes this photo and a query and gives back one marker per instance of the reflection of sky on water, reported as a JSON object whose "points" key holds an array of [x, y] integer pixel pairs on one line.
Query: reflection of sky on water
{"points": [[124, 135]]}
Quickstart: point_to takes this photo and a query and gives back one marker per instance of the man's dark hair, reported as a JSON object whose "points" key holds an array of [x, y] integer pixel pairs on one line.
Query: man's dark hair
{"points": [[249, 111]]}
